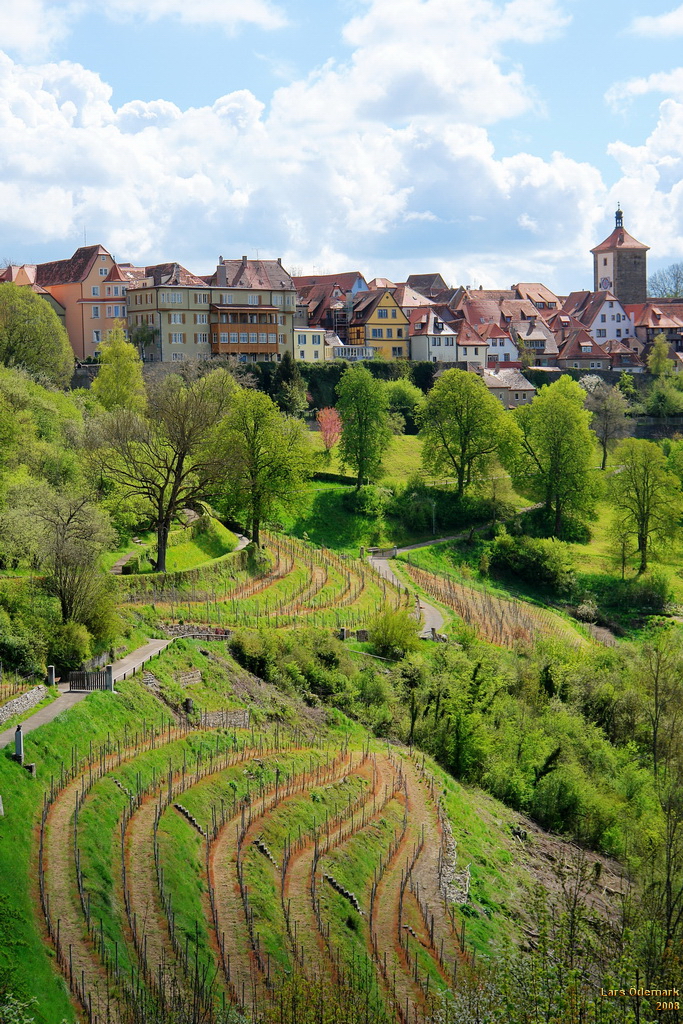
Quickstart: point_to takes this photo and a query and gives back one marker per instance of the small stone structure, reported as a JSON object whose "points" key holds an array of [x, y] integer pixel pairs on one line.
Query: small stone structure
{"points": [[188, 678], [25, 702]]}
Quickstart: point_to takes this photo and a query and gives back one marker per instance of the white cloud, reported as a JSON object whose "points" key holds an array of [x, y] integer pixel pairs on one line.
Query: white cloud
{"points": [[31, 28], [659, 25], [621, 93], [229, 14], [381, 163]]}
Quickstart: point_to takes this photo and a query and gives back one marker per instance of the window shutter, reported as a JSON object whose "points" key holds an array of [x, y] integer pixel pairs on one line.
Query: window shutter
{"points": [[182, 318], [169, 318]]}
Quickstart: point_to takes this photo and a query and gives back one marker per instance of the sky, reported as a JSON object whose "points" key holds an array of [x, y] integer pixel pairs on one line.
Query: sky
{"points": [[489, 141]]}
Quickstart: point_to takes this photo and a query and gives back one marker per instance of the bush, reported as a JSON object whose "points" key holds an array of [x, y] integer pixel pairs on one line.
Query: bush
{"points": [[393, 632], [649, 594], [538, 522], [420, 507], [69, 646], [544, 563], [368, 501]]}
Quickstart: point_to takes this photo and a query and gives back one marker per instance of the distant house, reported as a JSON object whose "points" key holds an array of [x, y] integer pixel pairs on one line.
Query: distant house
{"points": [[580, 351], [431, 338], [471, 348], [326, 300], [535, 337], [311, 343], [379, 322], [543, 299], [501, 347], [427, 284], [657, 317], [601, 314], [77, 284], [509, 386]]}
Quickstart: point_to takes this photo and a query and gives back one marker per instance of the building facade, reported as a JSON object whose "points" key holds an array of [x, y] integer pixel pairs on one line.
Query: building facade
{"points": [[620, 264]]}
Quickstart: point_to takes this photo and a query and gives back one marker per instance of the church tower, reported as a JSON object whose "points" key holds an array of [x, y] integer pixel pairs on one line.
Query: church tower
{"points": [[620, 264]]}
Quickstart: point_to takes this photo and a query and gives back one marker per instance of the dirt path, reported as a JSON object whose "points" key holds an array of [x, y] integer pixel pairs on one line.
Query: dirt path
{"points": [[245, 977], [311, 949], [385, 920], [431, 616], [65, 907]]}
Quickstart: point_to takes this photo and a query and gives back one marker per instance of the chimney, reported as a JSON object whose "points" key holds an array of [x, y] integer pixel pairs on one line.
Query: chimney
{"points": [[279, 259], [244, 261], [221, 274]]}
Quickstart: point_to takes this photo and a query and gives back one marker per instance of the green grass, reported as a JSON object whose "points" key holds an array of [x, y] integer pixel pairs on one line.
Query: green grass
{"points": [[402, 459]]}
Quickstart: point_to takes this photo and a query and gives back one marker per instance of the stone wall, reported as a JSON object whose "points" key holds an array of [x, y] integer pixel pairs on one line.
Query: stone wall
{"points": [[25, 702]]}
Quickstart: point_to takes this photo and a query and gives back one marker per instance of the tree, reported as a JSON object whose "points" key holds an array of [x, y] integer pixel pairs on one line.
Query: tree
{"points": [[366, 434], [658, 361], [144, 336], [608, 422], [330, 425], [626, 385], [119, 382], [646, 497], [268, 457], [404, 400], [667, 283], [289, 387], [549, 449], [461, 426], [170, 456], [32, 337]]}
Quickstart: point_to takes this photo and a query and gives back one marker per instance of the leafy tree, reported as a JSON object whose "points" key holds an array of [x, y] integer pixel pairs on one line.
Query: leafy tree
{"points": [[548, 452], [394, 632], [664, 397], [404, 400], [667, 283], [626, 385], [330, 425], [609, 422], [289, 387], [170, 456], [658, 361], [366, 434], [144, 336], [32, 337], [646, 497], [268, 458], [461, 426], [119, 382]]}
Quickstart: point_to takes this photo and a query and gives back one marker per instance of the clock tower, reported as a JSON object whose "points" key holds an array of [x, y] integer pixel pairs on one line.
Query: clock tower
{"points": [[620, 264]]}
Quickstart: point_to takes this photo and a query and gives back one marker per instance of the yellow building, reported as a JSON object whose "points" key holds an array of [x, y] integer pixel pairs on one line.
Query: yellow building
{"points": [[174, 305], [379, 322]]}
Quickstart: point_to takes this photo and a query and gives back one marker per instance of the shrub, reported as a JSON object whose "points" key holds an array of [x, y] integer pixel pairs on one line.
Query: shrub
{"points": [[545, 563], [368, 501], [69, 646], [393, 632]]}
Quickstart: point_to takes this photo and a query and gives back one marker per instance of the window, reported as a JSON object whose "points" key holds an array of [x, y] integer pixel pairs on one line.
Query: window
{"points": [[252, 318], [516, 396], [281, 319], [316, 355], [382, 314], [598, 366], [277, 300], [493, 343], [253, 300], [586, 349], [96, 289], [95, 313], [611, 305], [397, 351], [234, 337], [201, 339], [103, 271], [244, 339], [601, 332], [626, 331], [377, 332], [604, 261], [103, 258], [96, 337], [399, 332], [224, 337], [177, 356], [316, 339], [263, 339], [176, 318], [603, 318], [301, 338], [390, 332], [618, 333], [449, 342], [436, 342], [117, 290], [177, 339], [393, 314], [575, 365], [281, 338], [302, 354], [201, 318], [476, 351], [150, 318], [253, 338], [201, 298]]}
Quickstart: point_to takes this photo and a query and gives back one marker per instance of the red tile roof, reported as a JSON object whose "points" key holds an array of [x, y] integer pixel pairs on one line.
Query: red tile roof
{"points": [[580, 345], [345, 281], [69, 271], [619, 239], [173, 274]]}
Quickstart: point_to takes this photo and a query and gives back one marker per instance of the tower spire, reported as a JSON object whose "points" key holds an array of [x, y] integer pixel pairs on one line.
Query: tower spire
{"points": [[619, 217]]}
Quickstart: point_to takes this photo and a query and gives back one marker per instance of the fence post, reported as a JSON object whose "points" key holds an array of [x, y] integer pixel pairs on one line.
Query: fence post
{"points": [[50, 675], [109, 680]]}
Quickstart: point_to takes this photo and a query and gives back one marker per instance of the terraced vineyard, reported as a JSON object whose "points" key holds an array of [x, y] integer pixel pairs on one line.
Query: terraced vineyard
{"points": [[499, 620], [301, 582], [190, 874]]}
